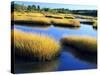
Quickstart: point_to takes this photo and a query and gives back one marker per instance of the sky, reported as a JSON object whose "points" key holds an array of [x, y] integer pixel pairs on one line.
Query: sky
{"points": [[53, 5]]}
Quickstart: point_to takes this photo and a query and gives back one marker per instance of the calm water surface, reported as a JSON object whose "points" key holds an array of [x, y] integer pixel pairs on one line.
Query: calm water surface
{"points": [[67, 60]]}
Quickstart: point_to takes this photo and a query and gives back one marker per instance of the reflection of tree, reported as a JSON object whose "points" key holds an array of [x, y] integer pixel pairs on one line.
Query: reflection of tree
{"points": [[91, 58], [36, 67]]}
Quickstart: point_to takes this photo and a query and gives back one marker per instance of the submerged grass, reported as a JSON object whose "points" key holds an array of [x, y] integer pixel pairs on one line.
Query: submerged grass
{"points": [[82, 43], [36, 46]]}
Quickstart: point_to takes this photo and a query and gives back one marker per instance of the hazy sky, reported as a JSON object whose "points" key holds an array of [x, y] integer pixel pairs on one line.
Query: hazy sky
{"points": [[51, 5]]}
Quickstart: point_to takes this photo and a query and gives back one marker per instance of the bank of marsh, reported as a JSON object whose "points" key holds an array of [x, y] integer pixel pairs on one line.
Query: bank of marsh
{"points": [[30, 18], [32, 45], [81, 43], [95, 24], [66, 22], [44, 19]]}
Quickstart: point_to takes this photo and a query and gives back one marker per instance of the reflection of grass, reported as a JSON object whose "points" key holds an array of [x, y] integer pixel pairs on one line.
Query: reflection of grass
{"points": [[66, 22], [35, 46], [37, 66], [72, 28], [88, 57], [82, 43], [90, 22]]}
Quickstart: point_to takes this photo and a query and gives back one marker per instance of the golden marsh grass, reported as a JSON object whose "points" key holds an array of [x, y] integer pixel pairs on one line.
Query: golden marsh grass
{"points": [[82, 43], [30, 18], [95, 24], [34, 20], [34, 45], [66, 22], [45, 19]]}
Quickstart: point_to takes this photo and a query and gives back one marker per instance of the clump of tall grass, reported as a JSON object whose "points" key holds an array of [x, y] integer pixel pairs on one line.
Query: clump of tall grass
{"points": [[69, 16], [66, 22], [30, 18], [55, 16], [36, 14], [82, 43], [35, 46]]}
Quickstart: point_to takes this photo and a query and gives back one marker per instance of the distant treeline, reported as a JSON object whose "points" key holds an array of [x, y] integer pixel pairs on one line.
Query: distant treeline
{"points": [[34, 8], [85, 12]]}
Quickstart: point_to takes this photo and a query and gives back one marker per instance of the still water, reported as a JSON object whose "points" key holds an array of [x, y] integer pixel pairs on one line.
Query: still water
{"points": [[68, 60]]}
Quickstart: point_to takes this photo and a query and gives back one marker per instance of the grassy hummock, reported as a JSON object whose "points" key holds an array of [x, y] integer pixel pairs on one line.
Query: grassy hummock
{"points": [[35, 46], [30, 18], [81, 43], [44, 19], [66, 22]]}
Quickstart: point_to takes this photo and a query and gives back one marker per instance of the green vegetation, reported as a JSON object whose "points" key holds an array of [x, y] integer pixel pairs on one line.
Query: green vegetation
{"points": [[35, 8], [81, 43], [40, 47], [34, 14]]}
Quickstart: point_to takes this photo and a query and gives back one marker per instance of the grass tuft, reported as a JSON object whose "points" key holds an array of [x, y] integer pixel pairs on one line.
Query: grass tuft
{"points": [[66, 22], [40, 47], [82, 43], [30, 18]]}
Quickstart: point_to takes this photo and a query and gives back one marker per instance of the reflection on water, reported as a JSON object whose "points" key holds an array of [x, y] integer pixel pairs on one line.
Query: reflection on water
{"points": [[69, 58], [36, 26], [87, 57], [61, 27], [36, 67]]}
